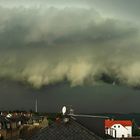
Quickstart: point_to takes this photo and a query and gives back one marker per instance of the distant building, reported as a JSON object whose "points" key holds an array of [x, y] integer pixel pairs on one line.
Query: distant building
{"points": [[8, 128], [118, 128], [10, 125]]}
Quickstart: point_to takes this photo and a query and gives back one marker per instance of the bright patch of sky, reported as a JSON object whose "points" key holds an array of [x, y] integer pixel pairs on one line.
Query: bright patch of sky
{"points": [[119, 9]]}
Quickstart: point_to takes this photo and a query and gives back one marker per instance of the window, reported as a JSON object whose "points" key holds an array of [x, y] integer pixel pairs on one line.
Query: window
{"points": [[118, 126], [106, 130], [8, 125], [128, 135], [114, 126]]}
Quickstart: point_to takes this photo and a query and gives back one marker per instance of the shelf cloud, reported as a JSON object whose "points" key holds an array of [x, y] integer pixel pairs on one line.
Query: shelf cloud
{"points": [[43, 46]]}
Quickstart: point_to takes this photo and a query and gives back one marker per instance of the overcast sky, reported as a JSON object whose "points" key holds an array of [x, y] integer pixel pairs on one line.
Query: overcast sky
{"points": [[127, 9], [91, 44]]}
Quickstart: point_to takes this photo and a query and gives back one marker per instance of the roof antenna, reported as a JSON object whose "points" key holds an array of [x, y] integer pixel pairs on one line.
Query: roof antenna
{"points": [[65, 118], [36, 106]]}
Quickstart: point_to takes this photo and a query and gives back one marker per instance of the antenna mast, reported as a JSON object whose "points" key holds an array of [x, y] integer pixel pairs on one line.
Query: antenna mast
{"points": [[36, 106]]}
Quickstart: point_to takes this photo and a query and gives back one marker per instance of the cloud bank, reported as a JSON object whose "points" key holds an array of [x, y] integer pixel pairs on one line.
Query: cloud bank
{"points": [[43, 46]]}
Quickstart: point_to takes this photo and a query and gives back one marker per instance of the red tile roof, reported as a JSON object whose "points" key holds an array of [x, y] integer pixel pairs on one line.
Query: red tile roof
{"points": [[109, 123]]}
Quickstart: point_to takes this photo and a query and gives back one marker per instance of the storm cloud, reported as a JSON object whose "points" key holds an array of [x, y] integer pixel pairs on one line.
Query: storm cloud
{"points": [[43, 46]]}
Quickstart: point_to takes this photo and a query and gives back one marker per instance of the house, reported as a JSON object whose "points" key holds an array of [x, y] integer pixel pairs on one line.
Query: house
{"points": [[9, 127], [118, 128], [4, 127], [66, 129], [35, 120]]}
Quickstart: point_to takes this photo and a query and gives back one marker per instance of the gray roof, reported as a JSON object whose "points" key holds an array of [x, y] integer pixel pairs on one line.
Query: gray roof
{"points": [[62, 131]]}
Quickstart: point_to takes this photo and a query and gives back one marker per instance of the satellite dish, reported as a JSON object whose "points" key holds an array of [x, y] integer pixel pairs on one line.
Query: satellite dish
{"points": [[64, 109], [9, 116]]}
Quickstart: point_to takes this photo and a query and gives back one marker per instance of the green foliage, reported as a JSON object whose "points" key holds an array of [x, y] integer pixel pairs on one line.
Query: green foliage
{"points": [[50, 121], [136, 132]]}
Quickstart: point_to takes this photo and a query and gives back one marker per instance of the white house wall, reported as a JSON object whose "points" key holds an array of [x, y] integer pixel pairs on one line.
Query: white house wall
{"points": [[120, 131], [129, 128]]}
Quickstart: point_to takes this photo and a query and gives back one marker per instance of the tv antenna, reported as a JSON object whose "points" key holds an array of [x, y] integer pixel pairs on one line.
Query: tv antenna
{"points": [[36, 106]]}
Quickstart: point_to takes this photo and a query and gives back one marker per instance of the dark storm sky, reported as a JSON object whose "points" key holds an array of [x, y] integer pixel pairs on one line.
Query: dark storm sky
{"points": [[70, 52]]}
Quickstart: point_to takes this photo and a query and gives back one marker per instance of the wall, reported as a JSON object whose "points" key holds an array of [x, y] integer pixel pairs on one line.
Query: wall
{"points": [[120, 131]]}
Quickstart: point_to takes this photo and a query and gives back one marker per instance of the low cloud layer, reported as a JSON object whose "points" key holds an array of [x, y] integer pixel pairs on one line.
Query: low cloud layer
{"points": [[43, 46]]}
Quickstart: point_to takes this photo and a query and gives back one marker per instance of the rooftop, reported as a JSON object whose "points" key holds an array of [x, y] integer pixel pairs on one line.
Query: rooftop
{"points": [[65, 131], [109, 123]]}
